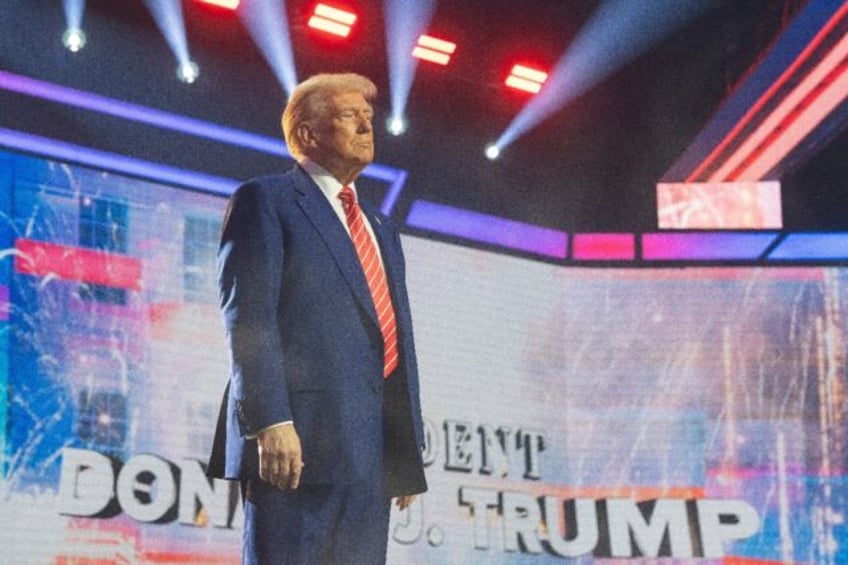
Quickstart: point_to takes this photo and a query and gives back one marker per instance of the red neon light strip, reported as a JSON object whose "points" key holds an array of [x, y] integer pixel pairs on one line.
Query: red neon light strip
{"points": [[770, 92], [330, 13], [316, 22], [530, 74], [523, 84], [796, 116], [796, 128], [429, 55], [436, 44], [43, 259], [229, 4]]}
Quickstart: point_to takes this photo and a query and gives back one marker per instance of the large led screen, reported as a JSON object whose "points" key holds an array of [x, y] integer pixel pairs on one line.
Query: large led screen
{"points": [[573, 414]]}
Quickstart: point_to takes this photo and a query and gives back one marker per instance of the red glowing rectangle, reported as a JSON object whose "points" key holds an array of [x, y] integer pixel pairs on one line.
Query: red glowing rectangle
{"points": [[526, 79], [43, 259], [332, 20], [604, 246], [229, 4], [534, 75], [430, 55], [434, 50]]}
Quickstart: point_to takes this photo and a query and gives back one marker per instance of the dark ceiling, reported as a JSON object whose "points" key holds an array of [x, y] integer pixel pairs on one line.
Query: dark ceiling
{"points": [[592, 166]]}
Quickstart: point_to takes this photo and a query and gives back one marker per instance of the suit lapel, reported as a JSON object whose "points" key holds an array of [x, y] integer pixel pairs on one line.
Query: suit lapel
{"points": [[314, 204]]}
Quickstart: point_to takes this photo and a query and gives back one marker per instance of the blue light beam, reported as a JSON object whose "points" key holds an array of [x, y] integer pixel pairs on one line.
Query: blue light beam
{"points": [[74, 37], [268, 25], [406, 20], [168, 15], [73, 13], [617, 32]]}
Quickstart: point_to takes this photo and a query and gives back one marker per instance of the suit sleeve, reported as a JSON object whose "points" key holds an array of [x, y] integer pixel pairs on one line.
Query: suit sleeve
{"points": [[250, 267]]}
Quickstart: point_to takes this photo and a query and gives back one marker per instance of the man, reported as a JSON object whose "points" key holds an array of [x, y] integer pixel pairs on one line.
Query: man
{"points": [[321, 421]]}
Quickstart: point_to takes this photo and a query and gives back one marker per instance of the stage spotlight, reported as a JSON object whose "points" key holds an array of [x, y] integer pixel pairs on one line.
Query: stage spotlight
{"points": [[434, 50], [526, 79], [268, 25], [73, 39], [188, 72], [396, 125], [332, 20], [492, 152], [405, 24], [169, 17], [616, 33]]}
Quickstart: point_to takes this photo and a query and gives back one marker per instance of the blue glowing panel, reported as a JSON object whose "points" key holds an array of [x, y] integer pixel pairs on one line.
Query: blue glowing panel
{"points": [[812, 246], [709, 246], [115, 162], [603, 246], [169, 121], [483, 228]]}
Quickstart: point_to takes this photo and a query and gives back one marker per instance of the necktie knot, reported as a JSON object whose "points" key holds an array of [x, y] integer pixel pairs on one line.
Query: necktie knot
{"points": [[348, 198]]}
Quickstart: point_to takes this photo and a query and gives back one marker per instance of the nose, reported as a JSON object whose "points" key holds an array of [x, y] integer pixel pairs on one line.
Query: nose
{"points": [[364, 125]]}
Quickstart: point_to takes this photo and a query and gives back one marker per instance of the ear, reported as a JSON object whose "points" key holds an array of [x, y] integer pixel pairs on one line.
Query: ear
{"points": [[306, 135]]}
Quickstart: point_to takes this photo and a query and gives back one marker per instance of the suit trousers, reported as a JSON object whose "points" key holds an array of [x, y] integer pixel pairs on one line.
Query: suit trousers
{"points": [[315, 524]]}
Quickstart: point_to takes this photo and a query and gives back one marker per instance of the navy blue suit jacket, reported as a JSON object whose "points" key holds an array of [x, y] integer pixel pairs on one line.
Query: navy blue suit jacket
{"points": [[304, 339]]}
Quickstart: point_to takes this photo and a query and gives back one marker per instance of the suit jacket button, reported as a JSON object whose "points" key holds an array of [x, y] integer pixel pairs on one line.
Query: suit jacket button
{"points": [[377, 388]]}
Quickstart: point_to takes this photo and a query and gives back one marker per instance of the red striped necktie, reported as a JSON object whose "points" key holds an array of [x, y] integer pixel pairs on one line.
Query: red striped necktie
{"points": [[374, 275]]}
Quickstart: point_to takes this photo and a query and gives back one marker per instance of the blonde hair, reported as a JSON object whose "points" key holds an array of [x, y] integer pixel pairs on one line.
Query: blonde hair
{"points": [[310, 102]]}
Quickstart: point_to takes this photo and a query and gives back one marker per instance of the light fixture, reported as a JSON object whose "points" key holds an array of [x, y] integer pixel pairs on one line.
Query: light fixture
{"points": [[434, 50], [228, 4], [396, 125], [188, 72], [168, 16], [73, 39], [526, 79], [332, 20]]}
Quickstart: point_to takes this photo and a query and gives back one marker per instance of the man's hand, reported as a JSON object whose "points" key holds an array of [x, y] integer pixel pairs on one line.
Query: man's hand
{"points": [[280, 458], [404, 502]]}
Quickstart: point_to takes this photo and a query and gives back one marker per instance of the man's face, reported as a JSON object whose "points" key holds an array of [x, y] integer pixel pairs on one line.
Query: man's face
{"points": [[344, 141]]}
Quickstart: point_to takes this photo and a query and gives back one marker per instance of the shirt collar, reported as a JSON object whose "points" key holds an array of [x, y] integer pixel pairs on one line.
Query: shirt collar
{"points": [[328, 184]]}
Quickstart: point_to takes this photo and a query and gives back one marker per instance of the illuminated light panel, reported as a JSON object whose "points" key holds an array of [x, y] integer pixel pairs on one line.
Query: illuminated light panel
{"points": [[332, 20], [812, 246], [526, 79], [727, 205], [62, 151], [483, 228], [603, 246], [434, 50], [229, 4], [42, 259], [706, 246]]}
